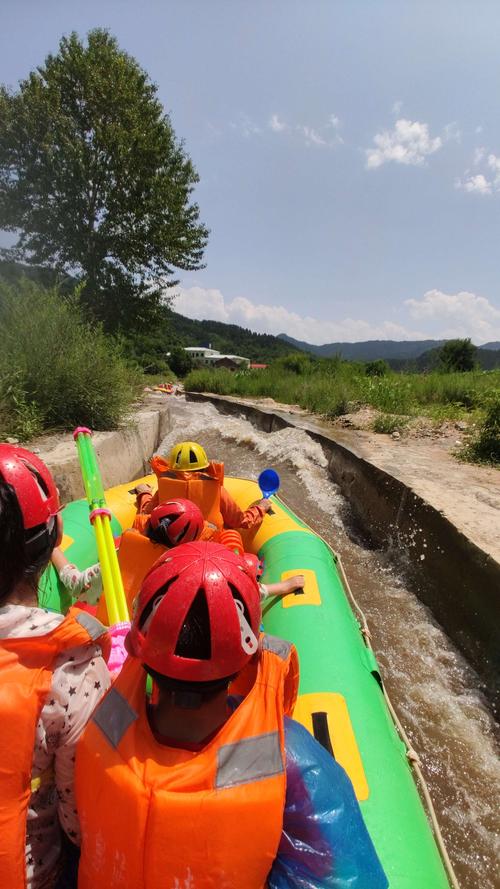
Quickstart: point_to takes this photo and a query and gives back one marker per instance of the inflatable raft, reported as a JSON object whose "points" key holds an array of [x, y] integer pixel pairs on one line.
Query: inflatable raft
{"points": [[341, 700]]}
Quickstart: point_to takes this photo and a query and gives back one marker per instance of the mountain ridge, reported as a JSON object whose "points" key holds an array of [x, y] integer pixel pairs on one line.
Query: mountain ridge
{"points": [[371, 350]]}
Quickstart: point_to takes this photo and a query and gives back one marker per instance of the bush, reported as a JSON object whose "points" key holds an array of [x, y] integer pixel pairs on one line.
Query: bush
{"points": [[389, 423], [378, 368], [486, 447], [56, 370]]}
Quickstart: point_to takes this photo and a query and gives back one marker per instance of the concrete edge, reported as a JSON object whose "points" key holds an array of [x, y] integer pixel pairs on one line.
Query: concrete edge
{"points": [[123, 454], [456, 578]]}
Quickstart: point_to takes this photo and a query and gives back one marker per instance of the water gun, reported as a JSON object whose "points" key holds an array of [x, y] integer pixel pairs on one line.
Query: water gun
{"points": [[100, 518]]}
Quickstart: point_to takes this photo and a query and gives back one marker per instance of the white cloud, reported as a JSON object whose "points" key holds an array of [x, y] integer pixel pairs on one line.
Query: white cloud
{"points": [[482, 183], [451, 132], [408, 143], [439, 315], [458, 314], [479, 154], [477, 183], [312, 137], [396, 108], [494, 164], [277, 125], [198, 302], [321, 137], [244, 125]]}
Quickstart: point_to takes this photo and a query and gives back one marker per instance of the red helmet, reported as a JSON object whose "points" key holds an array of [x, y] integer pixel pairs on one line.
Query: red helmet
{"points": [[254, 564], [214, 582], [176, 521], [34, 486]]}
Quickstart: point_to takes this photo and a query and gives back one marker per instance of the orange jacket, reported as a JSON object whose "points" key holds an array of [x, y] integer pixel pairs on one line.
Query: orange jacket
{"points": [[225, 510], [26, 666], [136, 555], [154, 816]]}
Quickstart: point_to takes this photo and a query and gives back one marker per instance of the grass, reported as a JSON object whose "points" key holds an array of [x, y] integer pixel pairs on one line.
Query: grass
{"points": [[56, 370], [334, 387], [485, 448], [389, 423]]}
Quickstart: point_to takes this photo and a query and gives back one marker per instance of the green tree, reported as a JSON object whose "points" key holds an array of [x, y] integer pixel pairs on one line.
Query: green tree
{"points": [[377, 368], [94, 181], [180, 361], [457, 356]]}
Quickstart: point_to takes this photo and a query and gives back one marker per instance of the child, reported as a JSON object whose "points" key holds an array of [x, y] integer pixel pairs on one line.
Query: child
{"points": [[52, 674], [189, 473], [169, 524], [205, 788]]}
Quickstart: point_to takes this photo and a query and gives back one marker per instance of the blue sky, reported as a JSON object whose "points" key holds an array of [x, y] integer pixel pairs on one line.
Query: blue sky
{"points": [[348, 150]]}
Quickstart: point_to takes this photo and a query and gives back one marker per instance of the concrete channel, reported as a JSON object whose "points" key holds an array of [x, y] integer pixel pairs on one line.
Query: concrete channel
{"points": [[457, 579]]}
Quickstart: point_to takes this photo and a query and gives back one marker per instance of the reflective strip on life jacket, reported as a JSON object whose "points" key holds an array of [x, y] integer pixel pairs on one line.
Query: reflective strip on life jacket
{"points": [[249, 760]]}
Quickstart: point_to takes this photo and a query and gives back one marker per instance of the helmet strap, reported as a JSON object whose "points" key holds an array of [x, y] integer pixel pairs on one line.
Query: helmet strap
{"points": [[249, 641]]}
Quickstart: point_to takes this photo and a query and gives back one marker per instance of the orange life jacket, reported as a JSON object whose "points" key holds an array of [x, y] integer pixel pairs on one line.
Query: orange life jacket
{"points": [[202, 487], [137, 554], [26, 667], [155, 817]]}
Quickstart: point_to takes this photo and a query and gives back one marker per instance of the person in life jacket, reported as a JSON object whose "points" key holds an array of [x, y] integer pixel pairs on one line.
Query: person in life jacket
{"points": [[214, 785], [189, 473], [52, 674], [169, 524]]}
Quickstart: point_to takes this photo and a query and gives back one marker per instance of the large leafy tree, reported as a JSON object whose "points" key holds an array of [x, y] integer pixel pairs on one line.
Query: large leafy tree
{"points": [[94, 181], [458, 356]]}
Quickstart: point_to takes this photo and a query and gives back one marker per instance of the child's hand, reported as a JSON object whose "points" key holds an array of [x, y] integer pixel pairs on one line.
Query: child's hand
{"points": [[265, 504], [141, 489]]}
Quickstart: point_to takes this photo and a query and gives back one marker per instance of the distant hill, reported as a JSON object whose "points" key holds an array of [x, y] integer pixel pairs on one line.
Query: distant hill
{"points": [[228, 338], [487, 359], [369, 350], [423, 353]]}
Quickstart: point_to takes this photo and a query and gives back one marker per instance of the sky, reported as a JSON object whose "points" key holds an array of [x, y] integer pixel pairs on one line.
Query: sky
{"points": [[348, 154]]}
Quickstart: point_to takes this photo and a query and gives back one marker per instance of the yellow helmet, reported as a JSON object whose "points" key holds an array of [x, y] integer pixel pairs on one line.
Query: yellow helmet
{"points": [[188, 455]]}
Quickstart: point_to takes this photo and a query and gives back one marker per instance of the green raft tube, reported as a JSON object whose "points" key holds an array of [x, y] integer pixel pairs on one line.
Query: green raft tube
{"points": [[341, 699]]}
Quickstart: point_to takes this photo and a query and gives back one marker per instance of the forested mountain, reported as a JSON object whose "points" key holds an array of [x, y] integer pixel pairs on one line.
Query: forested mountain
{"points": [[369, 350], [397, 353], [228, 338], [486, 359]]}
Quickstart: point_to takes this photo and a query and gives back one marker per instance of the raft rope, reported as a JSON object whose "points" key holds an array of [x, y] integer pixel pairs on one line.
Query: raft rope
{"points": [[411, 753]]}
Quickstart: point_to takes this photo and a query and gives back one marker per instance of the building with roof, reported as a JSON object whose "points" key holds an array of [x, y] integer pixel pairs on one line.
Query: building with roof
{"points": [[204, 357]]}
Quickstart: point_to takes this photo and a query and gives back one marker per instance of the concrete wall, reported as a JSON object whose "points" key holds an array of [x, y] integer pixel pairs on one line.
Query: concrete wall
{"points": [[123, 454]]}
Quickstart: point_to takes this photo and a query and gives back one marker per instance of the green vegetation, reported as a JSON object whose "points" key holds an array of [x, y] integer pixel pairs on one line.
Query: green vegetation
{"points": [[332, 387], [389, 423], [457, 356], [486, 447], [56, 370], [377, 368], [96, 182]]}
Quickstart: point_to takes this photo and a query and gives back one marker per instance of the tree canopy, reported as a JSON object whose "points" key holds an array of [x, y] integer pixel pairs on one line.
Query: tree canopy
{"points": [[94, 181], [458, 355]]}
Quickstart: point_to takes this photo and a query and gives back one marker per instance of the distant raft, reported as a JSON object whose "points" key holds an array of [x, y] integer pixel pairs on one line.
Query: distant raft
{"points": [[341, 700]]}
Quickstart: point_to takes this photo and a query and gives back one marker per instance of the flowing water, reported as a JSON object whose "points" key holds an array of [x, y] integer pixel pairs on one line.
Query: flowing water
{"points": [[436, 693]]}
